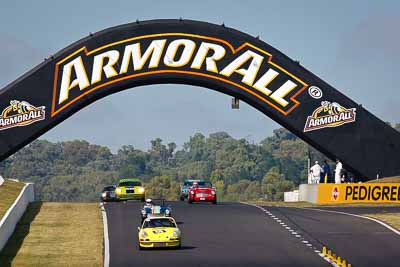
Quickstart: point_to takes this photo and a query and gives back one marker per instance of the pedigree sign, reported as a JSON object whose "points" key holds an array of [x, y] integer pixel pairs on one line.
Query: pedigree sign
{"points": [[247, 67], [365, 193]]}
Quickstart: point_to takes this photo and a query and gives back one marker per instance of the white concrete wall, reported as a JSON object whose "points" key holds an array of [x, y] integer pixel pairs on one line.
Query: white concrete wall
{"points": [[292, 196], [14, 213], [1, 180], [308, 192]]}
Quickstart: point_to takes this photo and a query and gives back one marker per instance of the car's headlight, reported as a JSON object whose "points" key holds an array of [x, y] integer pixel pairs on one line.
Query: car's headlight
{"points": [[143, 212], [118, 190], [213, 192], [143, 234], [104, 194], [192, 192], [176, 233], [141, 190], [167, 212]]}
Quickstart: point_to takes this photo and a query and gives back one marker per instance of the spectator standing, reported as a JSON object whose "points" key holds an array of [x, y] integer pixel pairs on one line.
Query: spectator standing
{"points": [[326, 173], [316, 172], [338, 171]]}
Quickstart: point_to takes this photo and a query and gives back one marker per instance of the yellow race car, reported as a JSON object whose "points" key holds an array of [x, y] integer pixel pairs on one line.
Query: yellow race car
{"points": [[159, 232], [130, 189]]}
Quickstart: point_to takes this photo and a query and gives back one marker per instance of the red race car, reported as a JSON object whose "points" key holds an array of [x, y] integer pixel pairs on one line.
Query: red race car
{"points": [[202, 191]]}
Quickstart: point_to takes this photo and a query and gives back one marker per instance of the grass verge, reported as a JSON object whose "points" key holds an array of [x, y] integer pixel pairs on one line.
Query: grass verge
{"points": [[392, 219], [56, 234], [9, 192], [395, 179]]}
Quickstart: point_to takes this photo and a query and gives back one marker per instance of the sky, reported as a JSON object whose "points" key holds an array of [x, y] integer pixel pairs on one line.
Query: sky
{"points": [[352, 45]]}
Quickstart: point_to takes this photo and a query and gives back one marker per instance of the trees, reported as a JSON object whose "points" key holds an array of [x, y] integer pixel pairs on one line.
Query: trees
{"points": [[77, 170], [243, 190], [162, 187], [274, 185], [131, 162]]}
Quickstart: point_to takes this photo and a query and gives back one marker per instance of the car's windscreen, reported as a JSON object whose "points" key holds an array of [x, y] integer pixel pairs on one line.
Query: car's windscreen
{"points": [[153, 223], [158, 202], [187, 183], [109, 188], [131, 183], [204, 184]]}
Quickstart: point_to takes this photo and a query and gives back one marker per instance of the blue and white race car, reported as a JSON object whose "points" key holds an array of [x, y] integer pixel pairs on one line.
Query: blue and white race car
{"points": [[156, 207]]}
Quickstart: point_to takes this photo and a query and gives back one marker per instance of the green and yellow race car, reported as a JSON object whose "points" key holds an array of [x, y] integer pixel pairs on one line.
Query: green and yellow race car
{"points": [[128, 189]]}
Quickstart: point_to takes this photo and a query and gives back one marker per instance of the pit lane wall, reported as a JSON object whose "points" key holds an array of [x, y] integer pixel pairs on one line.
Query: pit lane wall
{"points": [[14, 213], [350, 193]]}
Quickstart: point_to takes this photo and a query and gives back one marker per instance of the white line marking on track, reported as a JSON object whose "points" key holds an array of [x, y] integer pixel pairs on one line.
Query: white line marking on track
{"points": [[106, 239], [308, 244]]}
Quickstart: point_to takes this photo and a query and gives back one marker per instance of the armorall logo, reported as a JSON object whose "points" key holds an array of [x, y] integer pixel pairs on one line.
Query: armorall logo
{"points": [[20, 113], [329, 115], [246, 67]]}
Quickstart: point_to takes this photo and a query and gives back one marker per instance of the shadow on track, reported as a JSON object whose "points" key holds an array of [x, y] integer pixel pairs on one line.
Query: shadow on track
{"points": [[166, 249]]}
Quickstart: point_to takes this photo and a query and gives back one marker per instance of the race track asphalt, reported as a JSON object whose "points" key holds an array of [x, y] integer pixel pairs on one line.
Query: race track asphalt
{"points": [[227, 234], [361, 242]]}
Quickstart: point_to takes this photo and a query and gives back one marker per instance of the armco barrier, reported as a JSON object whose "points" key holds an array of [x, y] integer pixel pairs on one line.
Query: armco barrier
{"points": [[14, 213]]}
